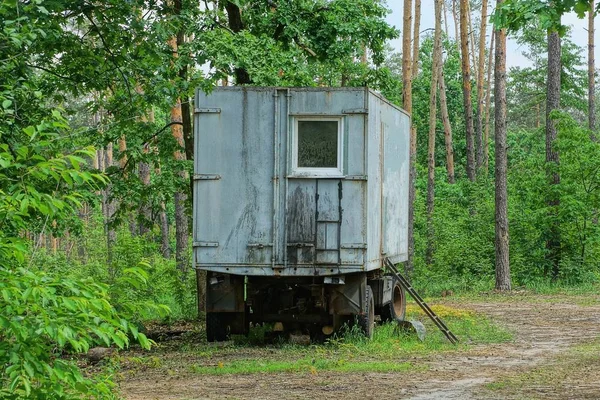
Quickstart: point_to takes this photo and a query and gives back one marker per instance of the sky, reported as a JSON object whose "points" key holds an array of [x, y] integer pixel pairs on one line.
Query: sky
{"points": [[514, 58]]}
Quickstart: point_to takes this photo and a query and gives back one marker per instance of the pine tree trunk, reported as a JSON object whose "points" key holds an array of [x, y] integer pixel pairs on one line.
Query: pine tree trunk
{"points": [[123, 161], [165, 249], [416, 38], [552, 156], [181, 223], [480, 73], [447, 129], [435, 72], [444, 10], [471, 40], [144, 212], [111, 206], [456, 25], [502, 236], [486, 135], [407, 104], [406, 57], [82, 242], [412, 194], [466, 77], [591, 71]]}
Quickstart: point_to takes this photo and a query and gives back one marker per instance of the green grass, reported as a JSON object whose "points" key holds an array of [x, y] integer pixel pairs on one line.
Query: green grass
{"points": [[304, 365], [388, 351]]}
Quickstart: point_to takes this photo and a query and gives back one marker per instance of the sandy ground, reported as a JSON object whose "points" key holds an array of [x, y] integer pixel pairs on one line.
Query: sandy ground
{"points": [[545, 329]]}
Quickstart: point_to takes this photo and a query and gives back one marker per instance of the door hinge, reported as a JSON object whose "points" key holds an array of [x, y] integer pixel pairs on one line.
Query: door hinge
{"points": [[207, 177], [207, 110], [206, 244]]}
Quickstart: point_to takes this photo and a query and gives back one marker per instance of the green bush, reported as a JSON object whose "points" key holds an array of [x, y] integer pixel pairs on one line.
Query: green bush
{"points": [[43, 319]]}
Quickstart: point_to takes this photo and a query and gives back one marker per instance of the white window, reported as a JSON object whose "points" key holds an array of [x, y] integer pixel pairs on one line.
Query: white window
{"points": [[317, 149]]}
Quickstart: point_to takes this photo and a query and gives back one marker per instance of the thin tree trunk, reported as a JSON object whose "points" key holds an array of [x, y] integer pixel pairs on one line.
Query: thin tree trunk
{"points": [[82, 242], [456, 25], [165, 249], [445, 11], [407, 104], [447, 128], [111, 206], [486, 135], [416, 37], [474, 65], [412, 194], [54, 239], [471, 39], [502, 233], [145, 209], [123, 161], [406, 57], [591, 93], [145, 212], [480, 93], [552, 156], [181, 223], [591, 70], [466, 77], [435, 72]]}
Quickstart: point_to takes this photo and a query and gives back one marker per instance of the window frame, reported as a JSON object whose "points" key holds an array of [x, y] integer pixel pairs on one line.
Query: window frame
{"points": [[318, 171]]}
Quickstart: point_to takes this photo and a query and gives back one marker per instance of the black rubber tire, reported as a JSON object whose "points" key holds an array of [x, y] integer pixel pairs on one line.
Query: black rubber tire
{"points": [[396, 309], [216, 329], [366, 319]]}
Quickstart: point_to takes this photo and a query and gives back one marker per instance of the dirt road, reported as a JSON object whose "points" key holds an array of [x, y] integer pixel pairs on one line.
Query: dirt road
{"points": [[542, 362]]}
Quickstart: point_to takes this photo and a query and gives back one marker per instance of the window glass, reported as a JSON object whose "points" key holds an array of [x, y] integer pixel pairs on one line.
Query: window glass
{"points": [[317, 144]]}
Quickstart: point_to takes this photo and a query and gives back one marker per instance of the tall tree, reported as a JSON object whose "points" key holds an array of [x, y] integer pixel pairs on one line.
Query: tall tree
{"points": [[502, 233], [447, 128], [445, 12], [480, 94], [591, 70], [145, 208], [435, 72], [407, 104], [181, 221], [552, 156], [488, 91], [406, 57], [471, 33], [466, 76], [456, 25], [416, 38]]}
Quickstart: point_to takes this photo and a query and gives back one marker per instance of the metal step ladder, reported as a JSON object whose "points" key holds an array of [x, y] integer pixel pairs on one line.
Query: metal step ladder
{"points": [[424, 306]]}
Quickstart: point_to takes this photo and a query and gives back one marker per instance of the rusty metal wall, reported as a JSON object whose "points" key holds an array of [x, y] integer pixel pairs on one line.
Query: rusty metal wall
{"points": [[254, 215]]}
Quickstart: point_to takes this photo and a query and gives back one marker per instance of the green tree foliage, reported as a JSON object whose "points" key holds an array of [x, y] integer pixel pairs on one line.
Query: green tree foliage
{"points": [[421, 84], [527, 85], [44, 178], [44, 314]]}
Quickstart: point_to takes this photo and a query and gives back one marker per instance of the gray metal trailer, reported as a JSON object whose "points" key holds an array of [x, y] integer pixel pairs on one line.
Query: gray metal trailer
{"points": [[299, 196]]}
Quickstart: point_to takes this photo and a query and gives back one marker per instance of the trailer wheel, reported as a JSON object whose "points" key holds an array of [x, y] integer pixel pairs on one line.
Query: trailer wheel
{"points": [[395, 310], [366, 319], [216, 328]]}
